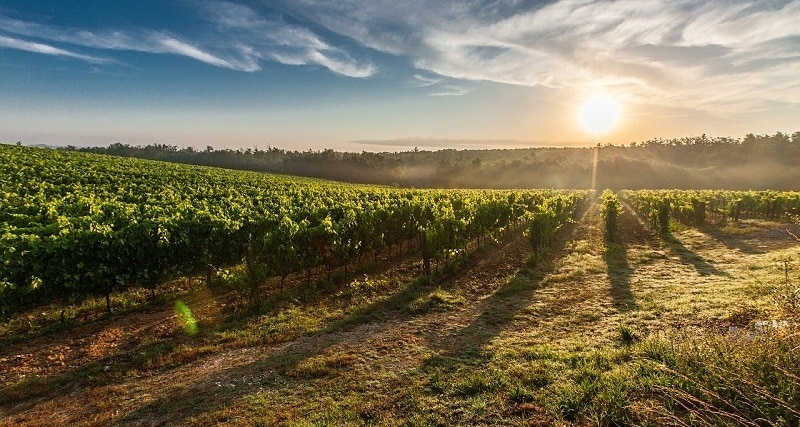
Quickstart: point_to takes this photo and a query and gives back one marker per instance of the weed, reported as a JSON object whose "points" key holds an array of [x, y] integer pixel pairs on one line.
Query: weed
{"points": [[787, 299], [568, 399], [521, 394], [151, 354], [437, 383], [540, 375], [519, 283], [626, 335], [361, 288], [612, 399], [321, 366]]}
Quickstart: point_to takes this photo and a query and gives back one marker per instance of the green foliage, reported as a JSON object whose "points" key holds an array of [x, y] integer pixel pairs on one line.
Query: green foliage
{"points": [[695, 207], [547, 216], [75, 224], [611, 209]]}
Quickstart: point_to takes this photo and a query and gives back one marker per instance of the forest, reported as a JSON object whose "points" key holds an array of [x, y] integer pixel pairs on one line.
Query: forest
{"points": [[754, 162]]}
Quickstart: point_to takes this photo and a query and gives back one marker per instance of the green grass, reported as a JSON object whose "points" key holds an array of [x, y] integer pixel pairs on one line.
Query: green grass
{"points": [[437, 300]]}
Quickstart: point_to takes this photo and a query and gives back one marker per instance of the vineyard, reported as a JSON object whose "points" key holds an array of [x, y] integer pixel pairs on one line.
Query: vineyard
{"points": [[277, 300], [75, 225], [694, 208]]}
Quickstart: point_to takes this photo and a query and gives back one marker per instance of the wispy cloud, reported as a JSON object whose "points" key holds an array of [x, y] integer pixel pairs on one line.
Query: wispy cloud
{"points": [[723, 56], [425, 81], [451, 90], [166, 44], [240, 40], [45, 49], [150, 41], [273, 39], [439, 86]]}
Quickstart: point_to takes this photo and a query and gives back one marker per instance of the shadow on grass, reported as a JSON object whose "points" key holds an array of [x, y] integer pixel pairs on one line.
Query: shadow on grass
{"points": [[398, 304], [500, 309], [278, 367], [33, 388], [755, 237], [742, 243], [156, 358], [687, 256], [619, 274], [105, 371]]}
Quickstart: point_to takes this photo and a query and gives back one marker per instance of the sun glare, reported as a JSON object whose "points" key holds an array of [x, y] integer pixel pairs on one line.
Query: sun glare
{"points": [[599, 113]]}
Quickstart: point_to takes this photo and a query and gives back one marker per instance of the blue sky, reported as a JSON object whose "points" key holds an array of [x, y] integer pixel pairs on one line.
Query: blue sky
{"points": [[382, 75]]}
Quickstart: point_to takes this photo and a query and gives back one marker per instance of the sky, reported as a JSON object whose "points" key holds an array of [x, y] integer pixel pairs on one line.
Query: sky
{"points": [[389, 75]]}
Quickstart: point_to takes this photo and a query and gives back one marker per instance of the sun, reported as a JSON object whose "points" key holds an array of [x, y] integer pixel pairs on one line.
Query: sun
{"points": [[600, 113]]}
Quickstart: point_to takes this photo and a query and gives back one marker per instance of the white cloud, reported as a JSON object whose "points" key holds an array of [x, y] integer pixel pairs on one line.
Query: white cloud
{"points": [[744, 25], [451, 90], [140, 41], [231, 15], [242, 39], [171, 45], [424, 81], [440, 86], [723, 56], [344, 66], [279, 41], [45, 49]]}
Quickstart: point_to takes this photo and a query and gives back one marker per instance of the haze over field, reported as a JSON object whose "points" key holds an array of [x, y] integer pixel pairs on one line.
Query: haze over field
{"points": [[385, 75]]}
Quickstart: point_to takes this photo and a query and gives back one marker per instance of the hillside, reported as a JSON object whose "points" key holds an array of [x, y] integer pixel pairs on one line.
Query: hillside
{"points": [[755, 162], [78, 224]]}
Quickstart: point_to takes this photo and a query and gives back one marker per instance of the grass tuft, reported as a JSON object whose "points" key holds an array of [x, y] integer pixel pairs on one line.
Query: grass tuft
{"points": [[520, 394], [438, 300], [626, 335]]}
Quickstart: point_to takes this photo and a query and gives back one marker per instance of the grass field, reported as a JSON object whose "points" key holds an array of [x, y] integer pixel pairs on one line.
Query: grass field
{"points": [[697, 328]]}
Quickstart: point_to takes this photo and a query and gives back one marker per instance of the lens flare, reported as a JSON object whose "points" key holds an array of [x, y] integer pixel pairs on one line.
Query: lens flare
{"points": [[186, 318]]}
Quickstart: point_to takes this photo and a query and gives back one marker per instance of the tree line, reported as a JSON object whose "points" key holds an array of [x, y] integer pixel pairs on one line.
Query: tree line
{"points": [[754, 162]]}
